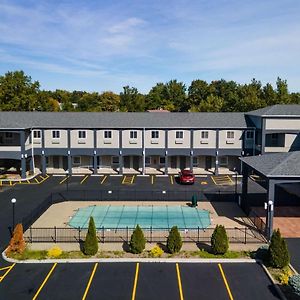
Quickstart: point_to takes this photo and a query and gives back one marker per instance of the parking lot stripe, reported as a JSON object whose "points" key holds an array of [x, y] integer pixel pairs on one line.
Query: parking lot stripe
{"points": [[135, 280], [9, 268], [152, 179], [103, 179], [179, 281], [225, 282], [62, 181], [44, 282], [90, 281], [132, 179], [171, 179], [84, 179]]}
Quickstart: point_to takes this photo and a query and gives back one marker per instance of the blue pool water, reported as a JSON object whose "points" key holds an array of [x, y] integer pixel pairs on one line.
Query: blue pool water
{"points": [[122, 216]]}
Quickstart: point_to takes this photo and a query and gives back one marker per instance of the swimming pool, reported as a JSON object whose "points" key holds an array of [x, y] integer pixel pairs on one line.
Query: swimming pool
{"points": [[155, 217]]}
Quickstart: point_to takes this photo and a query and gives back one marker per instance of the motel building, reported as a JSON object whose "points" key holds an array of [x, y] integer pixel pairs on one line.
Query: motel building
{"points": [[264, 143], [143, 143]]}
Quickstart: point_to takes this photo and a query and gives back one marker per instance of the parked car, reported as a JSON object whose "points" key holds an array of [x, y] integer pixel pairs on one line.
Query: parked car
{"points": [[186, 177]]}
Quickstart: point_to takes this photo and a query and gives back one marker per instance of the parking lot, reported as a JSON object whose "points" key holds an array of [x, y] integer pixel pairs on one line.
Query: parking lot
{"points": [[137, 281]]}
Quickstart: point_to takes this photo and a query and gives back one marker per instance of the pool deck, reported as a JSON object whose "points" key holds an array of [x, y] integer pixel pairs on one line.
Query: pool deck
{"points": [[228, 214]]}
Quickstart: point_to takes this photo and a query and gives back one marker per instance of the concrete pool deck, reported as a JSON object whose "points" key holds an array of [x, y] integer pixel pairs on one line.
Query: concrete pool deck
{"points": [[226, 213]]}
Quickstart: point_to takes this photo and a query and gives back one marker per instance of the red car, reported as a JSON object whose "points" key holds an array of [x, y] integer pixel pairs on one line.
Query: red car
{"points": [[187, 177]]}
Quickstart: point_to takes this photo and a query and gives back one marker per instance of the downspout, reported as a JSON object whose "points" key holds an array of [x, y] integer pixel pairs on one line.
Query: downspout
{"points": [[32, 151]]}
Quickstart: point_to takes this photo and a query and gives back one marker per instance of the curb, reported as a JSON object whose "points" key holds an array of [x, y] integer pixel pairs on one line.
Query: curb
{"points": [[278, 290], [132, 260], [293, 269]]}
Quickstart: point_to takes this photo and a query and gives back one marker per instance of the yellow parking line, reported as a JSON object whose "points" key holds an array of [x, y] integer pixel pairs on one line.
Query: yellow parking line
{"points": [[132, 179], [90, 281], [171, 179], [44, 282], [135, 280], [212, 178], [152, 179], [179, 282], [124, 178], [230, 179], [103, 179], [9, 268], [62, 181], [84, 179], [225, 282], [36, 180]]}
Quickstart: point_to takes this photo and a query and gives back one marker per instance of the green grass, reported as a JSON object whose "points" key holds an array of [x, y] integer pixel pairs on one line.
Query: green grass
{"points": [[42, 254]]}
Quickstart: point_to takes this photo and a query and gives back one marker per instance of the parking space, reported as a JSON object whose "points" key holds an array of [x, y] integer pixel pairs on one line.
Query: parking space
{"points": [[222, 180], [137, 281], [128, 179], [39, 179]]}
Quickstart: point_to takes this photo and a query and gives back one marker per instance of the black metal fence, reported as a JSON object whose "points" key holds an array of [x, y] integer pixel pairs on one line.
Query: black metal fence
{"points": [[109, 235], [123, 195], [258, 222]]}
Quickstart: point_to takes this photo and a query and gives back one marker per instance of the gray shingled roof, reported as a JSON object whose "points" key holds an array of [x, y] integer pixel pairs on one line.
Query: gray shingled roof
{"points": [[275, 164], [277, 110], [16, 120]]}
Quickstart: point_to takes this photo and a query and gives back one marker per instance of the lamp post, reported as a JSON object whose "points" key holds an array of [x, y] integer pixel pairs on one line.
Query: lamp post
{"points": [[13, 201], [67, 180], [235, 181]]}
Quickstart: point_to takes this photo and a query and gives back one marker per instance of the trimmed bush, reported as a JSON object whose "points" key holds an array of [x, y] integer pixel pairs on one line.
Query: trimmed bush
{"points": [[90, 246], [278, 253], [54, 252], [294, 282], [137, 241], [174, 242], [17, 243], [156, 251], [219, 240], [284, 276], [262, 253]]}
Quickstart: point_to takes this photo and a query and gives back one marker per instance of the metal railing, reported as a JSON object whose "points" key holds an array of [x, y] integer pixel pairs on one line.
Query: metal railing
{"points": [[110, 235], [258, 222]]}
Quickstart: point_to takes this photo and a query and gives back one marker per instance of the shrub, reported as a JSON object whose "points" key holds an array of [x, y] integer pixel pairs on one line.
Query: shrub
{"points": [[156, 251], [137, 241], [284, 276], [219, 240], [278, 253], [262, 253], [17, 242], [90, 246], [294, 282], [174, 242], [54, 252]]}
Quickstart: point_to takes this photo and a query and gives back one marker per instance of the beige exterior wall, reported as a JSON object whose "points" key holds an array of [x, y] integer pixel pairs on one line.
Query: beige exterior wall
{"points": [[131, 143], [283, 124], [10, 148], [179, 143], [154, 143], [108, 143], [62, 142], [235, 143], [76, 142], [204, 143]]}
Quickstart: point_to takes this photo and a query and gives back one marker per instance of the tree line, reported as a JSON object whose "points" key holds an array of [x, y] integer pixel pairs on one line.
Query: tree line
{"points": [[19, 93]]}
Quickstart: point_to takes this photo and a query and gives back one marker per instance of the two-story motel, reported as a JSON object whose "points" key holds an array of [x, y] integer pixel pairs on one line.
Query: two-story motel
{"points": [[143, 143]]}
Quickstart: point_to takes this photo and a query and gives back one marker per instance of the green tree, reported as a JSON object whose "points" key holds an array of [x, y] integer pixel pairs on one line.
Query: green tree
{"points": [[90, 246], [279, 256], [269, 95], [174, 242], [198, 91], [18, 92], [131, 100], [219, 240], [109, 101], [283, 96], [155, 98], [137, 241], [174, 95], [210, 104]]}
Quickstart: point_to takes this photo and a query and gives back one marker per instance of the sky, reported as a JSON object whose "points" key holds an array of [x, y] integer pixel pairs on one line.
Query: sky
{"points": [[102, 45]]}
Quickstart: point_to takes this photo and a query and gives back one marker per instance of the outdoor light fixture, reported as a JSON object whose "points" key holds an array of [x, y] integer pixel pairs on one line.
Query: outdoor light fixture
{"points": [[109, 192], [13, 201], [164, 192]]}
